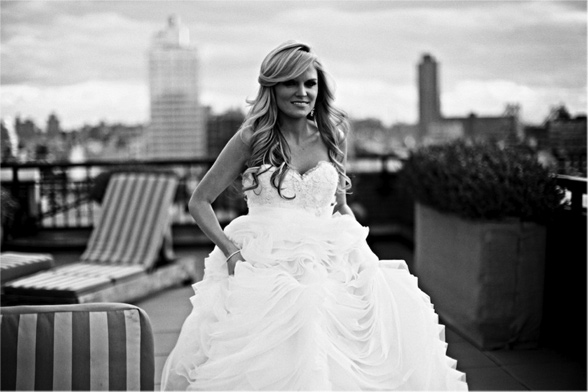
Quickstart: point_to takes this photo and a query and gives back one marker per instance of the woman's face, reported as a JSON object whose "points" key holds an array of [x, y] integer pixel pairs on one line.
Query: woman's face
{"points": [[296, 98]]}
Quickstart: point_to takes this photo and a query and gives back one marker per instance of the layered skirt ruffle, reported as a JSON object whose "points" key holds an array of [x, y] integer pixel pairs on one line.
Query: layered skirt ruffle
{"points": [[311, 308]]}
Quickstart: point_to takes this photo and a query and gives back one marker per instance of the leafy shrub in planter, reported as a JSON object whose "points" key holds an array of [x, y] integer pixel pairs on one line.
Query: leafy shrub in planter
{"points": [[481, 181]]}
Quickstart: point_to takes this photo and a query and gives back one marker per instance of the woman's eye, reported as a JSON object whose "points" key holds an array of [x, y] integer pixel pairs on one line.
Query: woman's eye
{"points": [[310, 83], [289, 83]]}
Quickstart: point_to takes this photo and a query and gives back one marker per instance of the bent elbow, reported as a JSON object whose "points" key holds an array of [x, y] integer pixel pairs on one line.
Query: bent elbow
{"points": [[195, 204]]}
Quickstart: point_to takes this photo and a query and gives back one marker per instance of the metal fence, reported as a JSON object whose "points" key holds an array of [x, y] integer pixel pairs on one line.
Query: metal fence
{"points": [[64, 195]]}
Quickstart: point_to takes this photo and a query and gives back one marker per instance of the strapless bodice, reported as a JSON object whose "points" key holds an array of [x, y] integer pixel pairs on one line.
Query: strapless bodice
{"points": [[313, 191]]}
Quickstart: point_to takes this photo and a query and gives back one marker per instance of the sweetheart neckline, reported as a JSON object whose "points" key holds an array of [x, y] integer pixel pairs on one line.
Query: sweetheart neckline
{"points": [[318, 164], [302, 175]]}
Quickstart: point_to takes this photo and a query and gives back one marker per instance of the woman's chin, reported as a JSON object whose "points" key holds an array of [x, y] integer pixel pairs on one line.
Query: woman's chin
{"points": [[295, 115]]}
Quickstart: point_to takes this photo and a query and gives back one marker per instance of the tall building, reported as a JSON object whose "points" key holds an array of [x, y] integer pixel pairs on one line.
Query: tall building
{"points": [[429, 102], [53, 127], [177, 128]]}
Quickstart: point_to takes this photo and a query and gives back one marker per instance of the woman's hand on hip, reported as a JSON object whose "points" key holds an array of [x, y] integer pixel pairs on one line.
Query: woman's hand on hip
{"points": [[232, 262]]}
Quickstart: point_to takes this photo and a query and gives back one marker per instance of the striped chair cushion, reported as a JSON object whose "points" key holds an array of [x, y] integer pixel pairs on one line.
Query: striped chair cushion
{"points": [[134, 219], [99, 346], [73, 280], [14, 265]]}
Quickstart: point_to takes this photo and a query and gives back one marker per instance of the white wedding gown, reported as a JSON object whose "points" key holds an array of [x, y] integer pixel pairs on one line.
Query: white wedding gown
{"points": [[312, 308]]}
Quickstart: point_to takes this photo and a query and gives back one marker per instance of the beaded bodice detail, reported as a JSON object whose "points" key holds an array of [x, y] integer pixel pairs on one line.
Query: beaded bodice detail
{"points": [[313, 191]]}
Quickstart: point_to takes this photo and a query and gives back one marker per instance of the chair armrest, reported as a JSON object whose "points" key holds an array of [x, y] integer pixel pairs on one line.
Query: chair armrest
{"points": [[97, 346]]}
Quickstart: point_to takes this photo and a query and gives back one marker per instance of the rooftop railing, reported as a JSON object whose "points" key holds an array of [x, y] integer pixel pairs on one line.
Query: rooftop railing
{"points": [[65, 195]]}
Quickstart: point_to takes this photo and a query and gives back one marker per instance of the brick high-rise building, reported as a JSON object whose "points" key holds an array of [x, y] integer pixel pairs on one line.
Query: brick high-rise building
{"points": [[177, 128]]}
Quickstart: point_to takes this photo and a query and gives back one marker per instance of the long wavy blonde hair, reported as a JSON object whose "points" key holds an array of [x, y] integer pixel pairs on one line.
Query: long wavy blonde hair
{"points": [[268, 145]]}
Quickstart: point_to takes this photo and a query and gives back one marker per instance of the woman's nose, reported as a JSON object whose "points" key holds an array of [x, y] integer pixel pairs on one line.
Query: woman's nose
{"points": [[301, 90]]}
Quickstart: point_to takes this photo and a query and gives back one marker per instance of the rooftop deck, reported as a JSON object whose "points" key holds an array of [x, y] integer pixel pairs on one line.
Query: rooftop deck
{"points": [[544, 368], [553, 366]]}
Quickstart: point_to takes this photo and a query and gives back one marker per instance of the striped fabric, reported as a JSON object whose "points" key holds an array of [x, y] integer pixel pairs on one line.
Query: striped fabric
{"points": [[100, 346], [14, 265], [74, 279], [134, 219], [125, 243]]}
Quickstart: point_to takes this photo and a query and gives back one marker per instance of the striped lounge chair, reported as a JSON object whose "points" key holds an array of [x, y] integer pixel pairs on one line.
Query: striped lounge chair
{"points": [[119, 263], [14, 265], [100, 346]]}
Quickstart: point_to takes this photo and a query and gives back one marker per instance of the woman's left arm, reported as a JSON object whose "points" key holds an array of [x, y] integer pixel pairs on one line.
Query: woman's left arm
{"points": [[341, 197]]}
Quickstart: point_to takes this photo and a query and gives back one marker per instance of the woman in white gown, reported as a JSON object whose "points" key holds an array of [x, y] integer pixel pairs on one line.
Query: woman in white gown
{"points": [[292, 296]]}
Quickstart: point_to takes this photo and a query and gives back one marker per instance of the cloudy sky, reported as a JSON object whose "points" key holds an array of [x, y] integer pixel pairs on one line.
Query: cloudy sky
{"points": [[87, 60]]}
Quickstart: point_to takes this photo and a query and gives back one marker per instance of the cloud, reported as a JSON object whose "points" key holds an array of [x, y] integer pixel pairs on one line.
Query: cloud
{"points": [[374, 54], [77, 104], [388, 102], [491, 97], [75, 49], [371, 49]]}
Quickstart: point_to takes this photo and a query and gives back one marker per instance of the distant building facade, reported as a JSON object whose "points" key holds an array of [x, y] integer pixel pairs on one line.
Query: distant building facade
{"points": [[124, 142], [53, 127], [220, 128], [474, 127], [567, 138], [8, 142], [536, 136], [177, 127], [568, 134], [369, 137], [27, 130]]}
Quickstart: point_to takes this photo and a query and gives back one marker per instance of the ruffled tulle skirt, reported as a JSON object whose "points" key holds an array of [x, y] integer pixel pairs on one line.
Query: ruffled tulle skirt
{"points": [[312, 308]]}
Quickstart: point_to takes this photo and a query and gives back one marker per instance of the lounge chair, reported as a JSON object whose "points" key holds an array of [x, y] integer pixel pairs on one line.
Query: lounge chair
{"points": [[100, 346], [121, 260]]}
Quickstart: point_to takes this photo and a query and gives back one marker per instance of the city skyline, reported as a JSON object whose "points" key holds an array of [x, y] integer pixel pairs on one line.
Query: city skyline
{"points": [[87, 60]]}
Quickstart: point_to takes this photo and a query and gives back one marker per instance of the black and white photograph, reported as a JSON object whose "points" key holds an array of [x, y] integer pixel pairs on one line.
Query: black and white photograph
{"points": [[293, 195]]}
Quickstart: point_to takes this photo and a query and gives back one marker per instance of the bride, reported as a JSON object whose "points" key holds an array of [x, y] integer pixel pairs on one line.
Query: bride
{"points": [[292, 297]]}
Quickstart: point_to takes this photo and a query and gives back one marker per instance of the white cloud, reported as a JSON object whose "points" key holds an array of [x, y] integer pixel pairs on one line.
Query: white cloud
{"points": [[83, 103], [533, 51], [371, 98], [491, 97], [75, 49]]}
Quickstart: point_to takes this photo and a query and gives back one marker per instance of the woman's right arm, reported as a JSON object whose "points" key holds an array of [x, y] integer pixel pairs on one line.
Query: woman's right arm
{"points": [[224, 171]]}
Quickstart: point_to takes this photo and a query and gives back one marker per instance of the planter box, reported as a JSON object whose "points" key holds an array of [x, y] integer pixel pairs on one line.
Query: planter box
{"points": [[484, 278]]}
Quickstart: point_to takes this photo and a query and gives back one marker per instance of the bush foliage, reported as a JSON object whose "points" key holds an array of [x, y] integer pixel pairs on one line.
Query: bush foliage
{"points": [[481, 181]]}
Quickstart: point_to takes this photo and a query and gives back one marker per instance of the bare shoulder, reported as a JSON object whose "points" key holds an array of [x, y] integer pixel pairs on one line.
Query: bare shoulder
{"points": [[246, 134]]}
